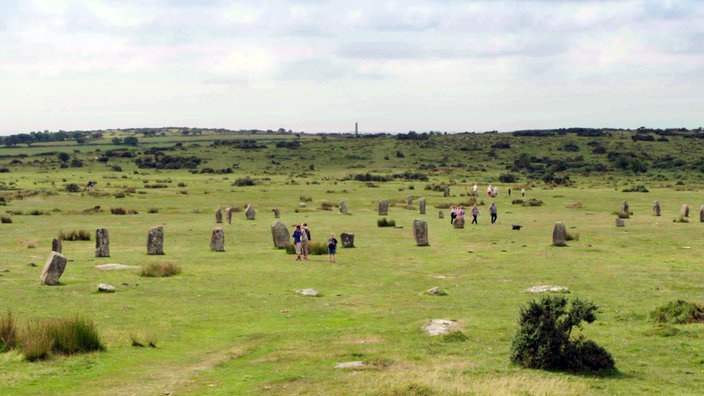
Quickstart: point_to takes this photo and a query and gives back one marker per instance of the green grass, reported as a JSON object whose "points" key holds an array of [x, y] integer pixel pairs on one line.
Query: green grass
{"points": [[231, 322]]}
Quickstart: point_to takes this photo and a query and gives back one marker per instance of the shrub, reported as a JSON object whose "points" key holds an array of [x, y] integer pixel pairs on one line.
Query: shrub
{"points": [[122, 211], [507, 178], [304, 198], [638, 188], [5, 219], [160, 270], [533, 202], [678, 312], [246, 181], [153, 210], [73, 188], [74, 235], [385, 223], [544, 338], [326, 205]]}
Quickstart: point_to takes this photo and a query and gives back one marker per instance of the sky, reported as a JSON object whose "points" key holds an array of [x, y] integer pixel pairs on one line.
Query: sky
{"points": [[321, 66]]}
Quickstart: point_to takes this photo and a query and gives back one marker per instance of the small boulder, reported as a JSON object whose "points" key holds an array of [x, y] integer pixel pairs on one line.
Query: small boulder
{"points": [[438, 327], [308, 292], [105, 288], [436, 291]]}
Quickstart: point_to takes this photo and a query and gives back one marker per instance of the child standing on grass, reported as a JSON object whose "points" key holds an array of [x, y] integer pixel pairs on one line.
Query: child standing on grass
{"points": [[332, 247]]}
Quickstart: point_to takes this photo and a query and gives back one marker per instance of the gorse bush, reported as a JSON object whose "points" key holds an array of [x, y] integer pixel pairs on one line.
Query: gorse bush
{"points": [[74, 235], [544, 337], [678, 312], [5, 219], [160, 270]]}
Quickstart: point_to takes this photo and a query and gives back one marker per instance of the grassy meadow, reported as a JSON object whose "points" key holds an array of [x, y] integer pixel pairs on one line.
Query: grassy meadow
{"points": [[232, 323]]}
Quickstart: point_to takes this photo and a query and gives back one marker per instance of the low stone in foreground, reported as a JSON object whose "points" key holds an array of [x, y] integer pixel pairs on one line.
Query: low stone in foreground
{"points": [[350, 365], [308, 292], [438, 327], [105, 288]]}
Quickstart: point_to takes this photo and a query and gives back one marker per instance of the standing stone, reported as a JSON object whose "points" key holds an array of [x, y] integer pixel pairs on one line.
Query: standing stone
{"points": [[446, 193], [409, 200], [624, 207], [53, 269], [383, 207], [420, 231], [277, 213], [102, 243], [56, 245], [421, 205], [343, 208], [228, 215], [347, 239], [217, 240], [155, 240], [559, 235], [280, 234], [620, 222], [684, 212], [701, 214], [459, 222], [218, 216], [250, 212], [441, 214], [656, 208]]}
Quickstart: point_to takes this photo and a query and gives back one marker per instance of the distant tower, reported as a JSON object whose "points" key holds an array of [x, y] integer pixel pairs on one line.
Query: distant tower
{"points": [[356, 130]]}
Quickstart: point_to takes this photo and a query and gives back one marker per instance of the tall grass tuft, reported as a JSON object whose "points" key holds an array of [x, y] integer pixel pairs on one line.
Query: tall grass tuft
{"points": [[678, 312], [314, 248], [160, 270], [74, 235], [8, 332], [41, 339]]}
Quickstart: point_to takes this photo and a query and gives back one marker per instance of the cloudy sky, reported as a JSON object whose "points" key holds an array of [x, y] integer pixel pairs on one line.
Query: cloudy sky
{"points": [[316, 65]]}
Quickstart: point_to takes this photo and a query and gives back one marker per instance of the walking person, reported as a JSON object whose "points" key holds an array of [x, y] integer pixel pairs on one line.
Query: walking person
{"points": [[492, 210], [297, 241], [523, 192], [305, 239], [453, 214], [475, 213], [332, 247]]}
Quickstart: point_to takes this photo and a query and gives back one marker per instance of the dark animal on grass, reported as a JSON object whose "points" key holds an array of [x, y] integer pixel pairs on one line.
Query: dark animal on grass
{"points": [[516, 227]]}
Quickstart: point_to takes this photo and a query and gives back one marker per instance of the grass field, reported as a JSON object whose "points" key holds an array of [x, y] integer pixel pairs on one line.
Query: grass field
{"points": [[231, 322]]}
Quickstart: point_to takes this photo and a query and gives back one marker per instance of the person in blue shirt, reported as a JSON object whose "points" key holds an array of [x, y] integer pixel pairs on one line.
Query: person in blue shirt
{"points": [[332, 247], [297, 233]]}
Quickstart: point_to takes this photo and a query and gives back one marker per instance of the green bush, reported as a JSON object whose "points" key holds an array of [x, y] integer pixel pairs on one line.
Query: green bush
{"points": [[678, 312], [73, 188], [533, 202], [638, 188], [385, 223], [544, 337], [160, 270], [5, 219]]}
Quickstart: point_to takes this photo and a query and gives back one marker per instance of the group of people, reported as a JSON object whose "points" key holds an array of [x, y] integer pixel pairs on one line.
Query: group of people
{"points": [[301, 240], [493, 191], [458, 211]]}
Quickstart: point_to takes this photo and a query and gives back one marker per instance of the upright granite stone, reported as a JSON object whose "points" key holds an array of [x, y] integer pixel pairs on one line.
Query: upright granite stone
{"points": [[656, 208], [53, 269], [343, 208], [277, 213], [228, 215], [409, 200], [441, 214], [701, 214], [420, 232], [559, 235], [624, 207], [421, 205], [459, 222], [446, 193], [684, 212], [217, 240], [218, 216], [102, 243], [280, 234], [347, 239], [155, 240], [250, 212], [56, 245], [383, 207], [620, 222]]}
